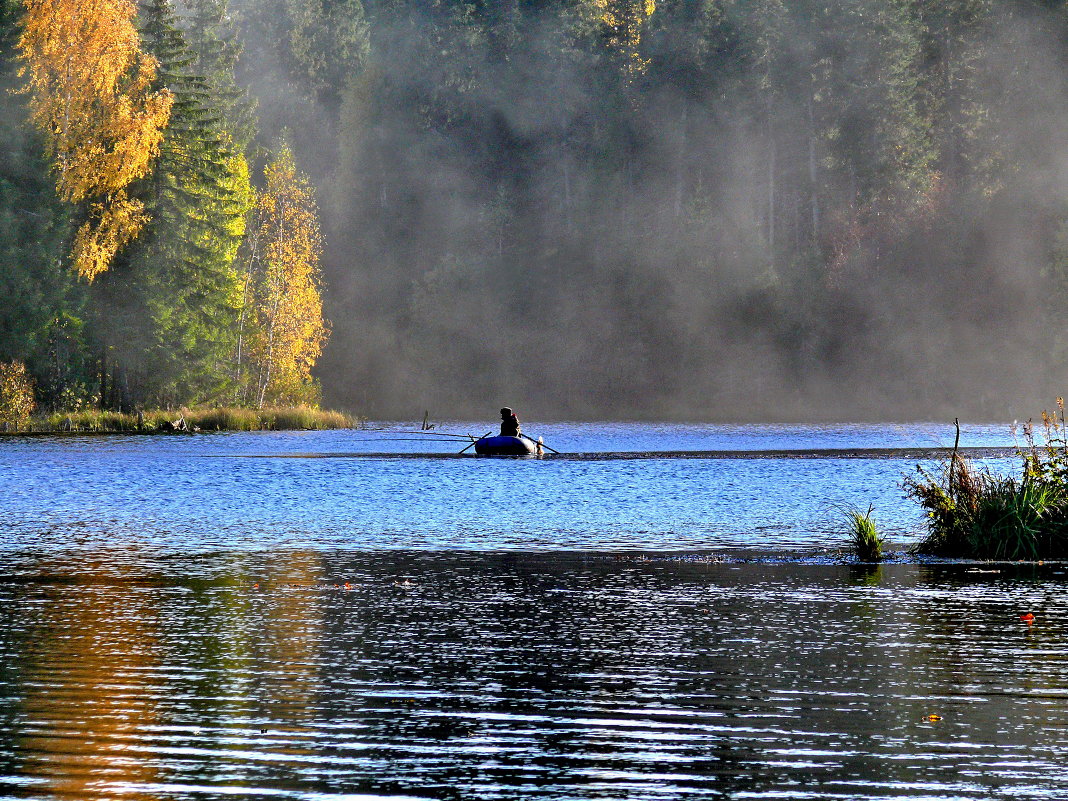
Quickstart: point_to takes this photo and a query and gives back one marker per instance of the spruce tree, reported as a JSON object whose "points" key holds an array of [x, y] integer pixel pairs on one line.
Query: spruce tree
{"points": [[211, 36], [171, 310]]}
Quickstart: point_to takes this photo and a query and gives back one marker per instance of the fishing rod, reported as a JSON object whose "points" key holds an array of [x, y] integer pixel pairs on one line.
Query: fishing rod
{"points": [[419, 439], [429, 434]]}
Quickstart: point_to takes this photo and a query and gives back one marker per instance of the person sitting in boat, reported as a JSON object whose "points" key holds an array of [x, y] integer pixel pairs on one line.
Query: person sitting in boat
{"points": [[509, 423]]}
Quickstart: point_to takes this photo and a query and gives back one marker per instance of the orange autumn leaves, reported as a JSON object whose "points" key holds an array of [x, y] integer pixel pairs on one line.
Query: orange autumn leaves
{"points": [[91, 95]]}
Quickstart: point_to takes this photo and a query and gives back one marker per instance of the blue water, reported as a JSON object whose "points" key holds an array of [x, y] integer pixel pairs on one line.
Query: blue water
{"points": [[377, 489], [365, 615]]}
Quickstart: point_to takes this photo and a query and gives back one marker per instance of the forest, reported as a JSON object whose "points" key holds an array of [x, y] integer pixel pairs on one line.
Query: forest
{"points": [[587, 209]]}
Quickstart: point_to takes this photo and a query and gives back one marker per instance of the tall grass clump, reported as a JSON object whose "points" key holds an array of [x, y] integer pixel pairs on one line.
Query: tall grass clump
{"points": [[290, 418], [974, 513], [864, 539], [229, 418], [271, 418], [92, 420]]}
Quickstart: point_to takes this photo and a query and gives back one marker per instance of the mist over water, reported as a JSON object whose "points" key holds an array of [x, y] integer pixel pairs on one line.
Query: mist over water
{"points": [[711, 211]]}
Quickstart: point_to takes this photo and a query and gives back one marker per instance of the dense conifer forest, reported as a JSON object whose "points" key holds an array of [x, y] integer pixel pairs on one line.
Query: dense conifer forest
{"points": [[694, 209]]}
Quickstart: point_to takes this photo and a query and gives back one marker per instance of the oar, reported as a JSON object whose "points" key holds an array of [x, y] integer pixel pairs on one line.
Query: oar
{"points": [[540, 443], [473, 441]]}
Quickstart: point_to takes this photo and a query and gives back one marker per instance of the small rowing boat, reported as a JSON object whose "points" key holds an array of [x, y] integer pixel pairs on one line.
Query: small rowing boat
{"points": [[505, 446]]}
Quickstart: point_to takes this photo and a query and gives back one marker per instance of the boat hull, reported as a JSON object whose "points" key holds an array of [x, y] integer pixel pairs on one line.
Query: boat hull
{"points": [[504, 446]]}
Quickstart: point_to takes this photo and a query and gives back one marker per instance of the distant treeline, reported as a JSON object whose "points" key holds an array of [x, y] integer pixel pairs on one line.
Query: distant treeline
{"points": [[585, 208]]}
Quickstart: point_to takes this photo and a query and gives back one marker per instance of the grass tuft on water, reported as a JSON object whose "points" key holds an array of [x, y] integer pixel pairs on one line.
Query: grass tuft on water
{"points": [[974, 513], [864, 539]]}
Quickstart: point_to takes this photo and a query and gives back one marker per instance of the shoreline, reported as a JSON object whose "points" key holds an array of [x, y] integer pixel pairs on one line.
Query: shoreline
{"points": [[182, 421]]}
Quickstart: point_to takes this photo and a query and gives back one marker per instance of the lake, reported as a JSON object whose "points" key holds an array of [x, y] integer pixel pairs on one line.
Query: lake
{"points": [[656, 613]]}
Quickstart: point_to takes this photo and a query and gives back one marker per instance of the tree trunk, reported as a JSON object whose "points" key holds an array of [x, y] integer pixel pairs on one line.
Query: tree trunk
{"points": [[813, 175], [103, 402], [771, 200]]}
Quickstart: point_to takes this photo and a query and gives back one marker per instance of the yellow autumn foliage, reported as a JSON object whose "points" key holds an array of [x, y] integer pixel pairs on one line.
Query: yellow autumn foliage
{"points": [[111, 225], [90, 87], [623, 21], [16, 392], [286, 316]]}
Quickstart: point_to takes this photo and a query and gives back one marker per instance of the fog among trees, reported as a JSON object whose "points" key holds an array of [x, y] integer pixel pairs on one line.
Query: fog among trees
{"points": [[685, 209]]}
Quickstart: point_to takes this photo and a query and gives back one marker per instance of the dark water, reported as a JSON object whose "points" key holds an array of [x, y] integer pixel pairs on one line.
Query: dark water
{"points": [[216, 617]]}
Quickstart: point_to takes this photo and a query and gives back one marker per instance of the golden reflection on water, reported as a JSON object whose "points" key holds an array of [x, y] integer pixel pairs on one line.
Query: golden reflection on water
{"points": [[287, 620], [98, 682], [88, 691]]}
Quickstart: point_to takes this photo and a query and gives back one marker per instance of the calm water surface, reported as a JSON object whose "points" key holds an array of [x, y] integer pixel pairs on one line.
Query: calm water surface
{"points": [[353, 615]]}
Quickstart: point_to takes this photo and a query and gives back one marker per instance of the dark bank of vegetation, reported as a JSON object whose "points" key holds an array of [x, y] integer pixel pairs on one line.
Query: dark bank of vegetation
{"points": [[159, 421], [973, 513], [595, 208], [18, 407]]}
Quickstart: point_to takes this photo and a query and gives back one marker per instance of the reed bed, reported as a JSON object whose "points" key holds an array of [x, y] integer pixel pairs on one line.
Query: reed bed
{"points": [[230, 418], [974, 513]]}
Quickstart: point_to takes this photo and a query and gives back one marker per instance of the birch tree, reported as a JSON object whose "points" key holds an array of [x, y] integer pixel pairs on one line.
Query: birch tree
{"points": [[91, 95], [283, 324]]}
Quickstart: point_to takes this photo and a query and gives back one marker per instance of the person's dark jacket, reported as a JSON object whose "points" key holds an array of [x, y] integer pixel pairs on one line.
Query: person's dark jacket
{"points": [[510, 426]]}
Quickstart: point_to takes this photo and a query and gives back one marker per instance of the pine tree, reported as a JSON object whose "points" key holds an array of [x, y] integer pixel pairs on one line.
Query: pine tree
{"points": [[320, 44], [212, 38]]}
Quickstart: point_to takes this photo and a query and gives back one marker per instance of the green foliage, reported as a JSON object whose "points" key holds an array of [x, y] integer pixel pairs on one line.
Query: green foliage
{"points": [[864, 539], [212, 38], [40, 294], [16, 393], [977, 514], [166, 317]]}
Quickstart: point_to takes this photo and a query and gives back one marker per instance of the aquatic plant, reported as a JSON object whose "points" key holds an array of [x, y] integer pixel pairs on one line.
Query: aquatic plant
{"points": [[864, 539], [977, 514]]}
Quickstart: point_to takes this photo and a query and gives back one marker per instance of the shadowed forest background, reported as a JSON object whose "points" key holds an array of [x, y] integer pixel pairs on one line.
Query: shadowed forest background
{"points": [[687, 209]]}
